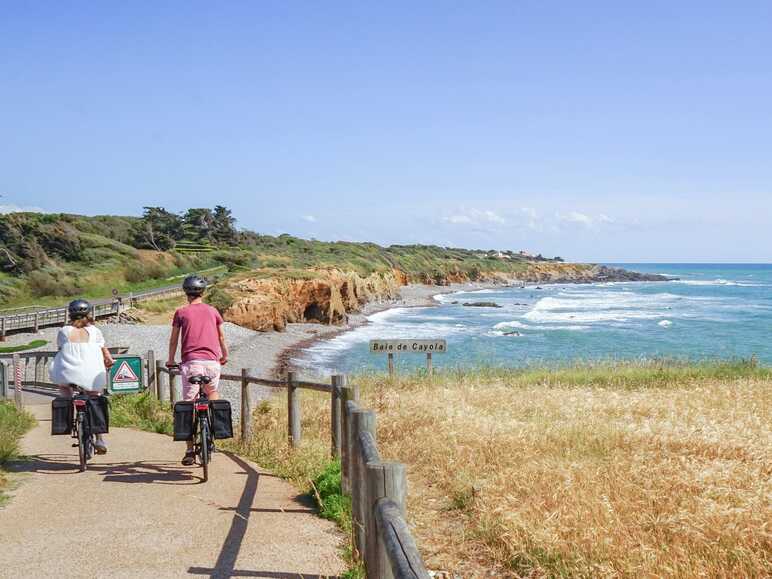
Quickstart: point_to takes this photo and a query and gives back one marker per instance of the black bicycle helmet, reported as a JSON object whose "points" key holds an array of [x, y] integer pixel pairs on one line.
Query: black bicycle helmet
{"points": [[79, 309], [194, 285]]}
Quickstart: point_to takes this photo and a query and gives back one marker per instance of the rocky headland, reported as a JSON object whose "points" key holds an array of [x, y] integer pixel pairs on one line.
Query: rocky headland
{"points": [[328, 296]]}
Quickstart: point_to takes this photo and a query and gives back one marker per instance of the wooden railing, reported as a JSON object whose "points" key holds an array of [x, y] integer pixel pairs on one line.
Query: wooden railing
{"points": [[36, 319], [19, 364], [378, 489]]}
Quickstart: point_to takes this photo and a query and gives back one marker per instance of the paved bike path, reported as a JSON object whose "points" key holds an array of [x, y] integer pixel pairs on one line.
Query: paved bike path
{"points": [[137, 512]]}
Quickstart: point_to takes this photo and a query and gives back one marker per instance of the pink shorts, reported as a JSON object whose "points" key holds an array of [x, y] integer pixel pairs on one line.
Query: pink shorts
{"points": [[197, 368]]}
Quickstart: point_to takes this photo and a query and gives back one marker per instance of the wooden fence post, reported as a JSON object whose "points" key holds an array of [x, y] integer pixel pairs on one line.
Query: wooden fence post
{"points": [[3, 380], [348, 403], [159, 373], [391, 365], [384, 480], [361, 421], [293, 410], [18, 371], [2, 329], [429, 366], [246, 408], [172, 388], [336, 426], [152, 374], [402, 551], [36, 323], [39, 360]]}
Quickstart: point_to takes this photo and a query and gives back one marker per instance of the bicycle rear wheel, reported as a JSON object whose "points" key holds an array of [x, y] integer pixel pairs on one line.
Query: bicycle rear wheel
{"points": [[82, 441], [204, 446]]}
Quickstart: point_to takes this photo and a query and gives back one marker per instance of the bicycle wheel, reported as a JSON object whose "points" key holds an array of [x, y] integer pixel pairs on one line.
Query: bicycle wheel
{"points": [[204, 446], [82, 441]]}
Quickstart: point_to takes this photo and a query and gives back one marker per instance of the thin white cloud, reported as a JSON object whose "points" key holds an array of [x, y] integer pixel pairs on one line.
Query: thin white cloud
{"points": [[475, 217], [493, 217], [575, 217], [12, 208], [532, 221], [456, 219], [583, 219], [309, 218]]}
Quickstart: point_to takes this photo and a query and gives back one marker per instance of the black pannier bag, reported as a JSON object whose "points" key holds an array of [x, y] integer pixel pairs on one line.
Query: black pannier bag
{"points": [[183, 420], [222, 419], [61, 415], [99, 415]]}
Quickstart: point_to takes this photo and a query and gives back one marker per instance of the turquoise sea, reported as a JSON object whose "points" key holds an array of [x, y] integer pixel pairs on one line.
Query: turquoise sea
{"points": [[710, 311]]}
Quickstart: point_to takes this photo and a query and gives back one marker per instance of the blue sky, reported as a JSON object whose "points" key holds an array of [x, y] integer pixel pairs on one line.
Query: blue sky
{"points": [[592, 130]]}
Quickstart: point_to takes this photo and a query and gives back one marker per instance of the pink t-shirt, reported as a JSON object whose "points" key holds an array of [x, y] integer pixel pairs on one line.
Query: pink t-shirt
{"points": [[199, 325]]}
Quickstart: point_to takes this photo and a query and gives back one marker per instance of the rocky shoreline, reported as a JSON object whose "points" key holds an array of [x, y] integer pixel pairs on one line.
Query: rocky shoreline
{"points": [[332, 296], [421, 295]]}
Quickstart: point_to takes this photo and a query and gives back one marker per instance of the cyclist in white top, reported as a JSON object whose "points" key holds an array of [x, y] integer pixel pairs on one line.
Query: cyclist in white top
{"points": [[82, 357]]}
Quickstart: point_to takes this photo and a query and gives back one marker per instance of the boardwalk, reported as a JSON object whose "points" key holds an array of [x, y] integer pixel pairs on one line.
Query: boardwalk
{"points": [[139, 513]]}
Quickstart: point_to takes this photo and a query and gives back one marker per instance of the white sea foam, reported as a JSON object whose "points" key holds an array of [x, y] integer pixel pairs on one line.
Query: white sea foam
{"points": [[665, 323], [386, 314], [718, 282], [517, 325], [587, 307]]}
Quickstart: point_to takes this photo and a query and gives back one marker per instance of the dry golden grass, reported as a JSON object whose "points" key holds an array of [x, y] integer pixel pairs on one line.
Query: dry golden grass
{"points": [[160, 311], [594, 472]]}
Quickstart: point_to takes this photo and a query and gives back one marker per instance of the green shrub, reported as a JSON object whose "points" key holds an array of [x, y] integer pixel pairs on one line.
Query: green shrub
{"points": [[45, 283], [138, 271], [141, 411], [328, 493], [13, 424], [219, 298]]}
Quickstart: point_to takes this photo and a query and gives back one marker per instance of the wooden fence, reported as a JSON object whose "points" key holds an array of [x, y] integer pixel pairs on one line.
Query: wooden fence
{"points": [[377, 488], [26, 319]]}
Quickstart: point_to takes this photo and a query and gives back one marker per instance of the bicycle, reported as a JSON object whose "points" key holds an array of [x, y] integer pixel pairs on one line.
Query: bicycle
{"points": [[203, 424], [81, 427]]}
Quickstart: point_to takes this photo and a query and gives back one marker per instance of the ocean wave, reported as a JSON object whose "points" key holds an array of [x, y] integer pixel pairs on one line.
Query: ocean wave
{"points": [[568, 301], [590, 317], [613, 307], [516, 325], [719, 282], [386, 314]]}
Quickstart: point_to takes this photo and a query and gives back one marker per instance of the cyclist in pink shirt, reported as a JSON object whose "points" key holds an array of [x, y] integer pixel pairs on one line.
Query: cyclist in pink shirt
{"points": [[203, 345]]}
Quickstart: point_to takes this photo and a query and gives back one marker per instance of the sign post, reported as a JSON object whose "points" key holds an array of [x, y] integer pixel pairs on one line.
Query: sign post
{"points": [[126, 374], [18, 376], [391, 347]]}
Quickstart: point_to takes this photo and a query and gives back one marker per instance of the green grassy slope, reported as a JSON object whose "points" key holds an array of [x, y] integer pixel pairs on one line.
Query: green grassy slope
{"points": [[46, 258]]}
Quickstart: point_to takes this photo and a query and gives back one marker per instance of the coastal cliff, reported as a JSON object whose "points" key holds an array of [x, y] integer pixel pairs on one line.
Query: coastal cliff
{"points": [[270, 304], [328, 296]]}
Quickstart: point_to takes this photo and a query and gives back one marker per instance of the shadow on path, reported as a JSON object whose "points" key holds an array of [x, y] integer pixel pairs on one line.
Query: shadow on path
{"points": [[226, 562], [213, 573], [121, 472]]}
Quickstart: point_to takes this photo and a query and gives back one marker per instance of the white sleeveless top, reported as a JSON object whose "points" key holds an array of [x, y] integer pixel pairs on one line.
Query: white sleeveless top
{"points": [[80, 363]]}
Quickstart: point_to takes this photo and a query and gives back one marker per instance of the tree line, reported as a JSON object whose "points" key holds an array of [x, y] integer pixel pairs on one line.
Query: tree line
{"points": [[161, 230]]}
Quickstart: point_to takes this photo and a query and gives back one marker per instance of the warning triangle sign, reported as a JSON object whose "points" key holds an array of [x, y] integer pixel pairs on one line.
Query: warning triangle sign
{"points": [[125, 373]]}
